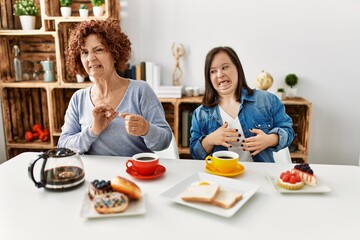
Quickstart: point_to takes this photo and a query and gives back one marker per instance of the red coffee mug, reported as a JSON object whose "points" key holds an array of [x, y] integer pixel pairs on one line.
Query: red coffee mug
{"points": [[143, 163]]}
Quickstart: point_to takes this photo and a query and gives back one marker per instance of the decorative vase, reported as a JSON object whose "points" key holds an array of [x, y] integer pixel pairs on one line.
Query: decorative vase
{"points": [[80, 78], [281, 95], [98, 11], [65, 11], [291, 92], [84, 13], [27, 22]]}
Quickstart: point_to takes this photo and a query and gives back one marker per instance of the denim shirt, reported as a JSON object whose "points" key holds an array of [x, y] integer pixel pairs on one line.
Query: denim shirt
{"points": [[261, 110]]}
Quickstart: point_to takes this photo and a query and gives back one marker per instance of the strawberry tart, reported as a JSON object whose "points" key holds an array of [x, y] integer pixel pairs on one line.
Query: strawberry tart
{"points": [[290, 181], [306, 173]]}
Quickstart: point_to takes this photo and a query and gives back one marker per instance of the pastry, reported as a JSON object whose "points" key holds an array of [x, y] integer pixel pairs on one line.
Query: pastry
{"points": [[306, 173], [99, 187], [113, 202], [126, 186], [290, 181]]}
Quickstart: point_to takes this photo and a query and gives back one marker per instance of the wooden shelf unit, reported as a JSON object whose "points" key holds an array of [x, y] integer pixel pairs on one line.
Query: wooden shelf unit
{"points": [[27, 102]]}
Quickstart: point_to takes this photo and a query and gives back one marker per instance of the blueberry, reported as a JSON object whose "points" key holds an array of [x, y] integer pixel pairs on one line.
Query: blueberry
{"points": [[310, 171], [95, 181]]}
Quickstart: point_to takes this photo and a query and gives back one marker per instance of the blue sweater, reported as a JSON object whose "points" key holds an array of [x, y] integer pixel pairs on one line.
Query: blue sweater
{"points": [[139, 99]]}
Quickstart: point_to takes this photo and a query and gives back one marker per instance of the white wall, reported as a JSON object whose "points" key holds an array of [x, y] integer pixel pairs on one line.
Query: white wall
{"points": [[319, 40]]}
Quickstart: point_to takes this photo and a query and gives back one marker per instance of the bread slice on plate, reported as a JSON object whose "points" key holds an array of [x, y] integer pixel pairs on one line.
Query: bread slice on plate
{"points": [[201, 192], [226, 199]]}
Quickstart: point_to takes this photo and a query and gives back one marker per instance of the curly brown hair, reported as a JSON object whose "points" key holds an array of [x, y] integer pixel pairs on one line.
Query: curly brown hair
{"points": [[109, 31]]}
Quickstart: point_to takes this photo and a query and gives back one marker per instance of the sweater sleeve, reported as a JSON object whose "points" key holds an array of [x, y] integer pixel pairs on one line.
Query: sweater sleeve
{"points": [[72, 136]]}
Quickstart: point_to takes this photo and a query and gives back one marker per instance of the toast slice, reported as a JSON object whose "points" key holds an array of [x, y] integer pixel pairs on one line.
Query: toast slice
{"points": [[226, 199], [200, 193]]}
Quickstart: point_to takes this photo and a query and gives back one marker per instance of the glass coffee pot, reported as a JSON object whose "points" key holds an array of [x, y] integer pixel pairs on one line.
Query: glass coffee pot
{"points": [[61, 169]]}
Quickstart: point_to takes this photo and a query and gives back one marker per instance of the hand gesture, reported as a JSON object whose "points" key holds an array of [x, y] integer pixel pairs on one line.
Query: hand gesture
{"points": [[102, 116], [222, 136], [259, 142], [135, 124]]}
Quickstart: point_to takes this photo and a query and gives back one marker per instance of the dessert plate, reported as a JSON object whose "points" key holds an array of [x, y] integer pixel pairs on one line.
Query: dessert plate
{"points": [[319, 188], [159, 171], [246, 189], [239, 170], [136, 207]]}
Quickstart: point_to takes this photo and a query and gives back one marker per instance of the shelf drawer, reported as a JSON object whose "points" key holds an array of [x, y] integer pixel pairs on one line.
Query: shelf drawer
{"points": [[22, 108], [33, 50]]}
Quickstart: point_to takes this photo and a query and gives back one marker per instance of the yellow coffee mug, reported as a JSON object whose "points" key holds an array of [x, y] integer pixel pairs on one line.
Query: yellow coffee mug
{"points": [[223, 161]]}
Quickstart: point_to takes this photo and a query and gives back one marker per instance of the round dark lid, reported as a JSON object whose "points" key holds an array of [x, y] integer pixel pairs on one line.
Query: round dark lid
{"points": [[60, 152]]}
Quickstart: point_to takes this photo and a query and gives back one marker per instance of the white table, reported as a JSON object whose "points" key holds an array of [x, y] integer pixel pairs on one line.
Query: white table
{"points": [[27, 212]]}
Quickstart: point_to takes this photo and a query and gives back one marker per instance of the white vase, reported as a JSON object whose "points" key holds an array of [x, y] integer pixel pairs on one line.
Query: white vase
{"points": [[98, 11], [84, 13], [80, 78], [65, 11], [27, 22], [291, 92], [280, 95]]}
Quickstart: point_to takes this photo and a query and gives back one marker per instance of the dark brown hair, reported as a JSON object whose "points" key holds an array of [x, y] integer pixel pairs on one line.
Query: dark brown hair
{"points": [[211, 96], [115, 41]]}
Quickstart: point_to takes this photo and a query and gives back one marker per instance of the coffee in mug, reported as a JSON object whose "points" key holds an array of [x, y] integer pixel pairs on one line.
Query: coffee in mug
{"points": [[143, 163], [222, 161]]}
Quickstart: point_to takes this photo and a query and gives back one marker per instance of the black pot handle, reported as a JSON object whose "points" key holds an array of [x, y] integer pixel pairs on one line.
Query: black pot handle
{"points": [[31, 170]]}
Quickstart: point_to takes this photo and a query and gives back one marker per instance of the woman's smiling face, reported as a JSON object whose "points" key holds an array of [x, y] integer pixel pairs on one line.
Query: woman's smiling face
{"points": [[223, 74]]}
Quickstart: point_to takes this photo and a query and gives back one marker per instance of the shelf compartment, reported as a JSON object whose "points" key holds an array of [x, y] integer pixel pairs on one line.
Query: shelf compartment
{"points": [[300, 114], [33, 50], [22, 108], [60, 98], [8, 20]]}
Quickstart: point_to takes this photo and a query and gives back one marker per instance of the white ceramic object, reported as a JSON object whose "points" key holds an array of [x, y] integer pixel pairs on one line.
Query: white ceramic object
{"points": [[80, 78], [27, 22], [65, 11], [84, 13], [291, 92], [98, 11]]}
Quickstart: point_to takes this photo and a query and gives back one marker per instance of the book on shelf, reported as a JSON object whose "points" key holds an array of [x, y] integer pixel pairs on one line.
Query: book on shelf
{"points": [[186, 117]]}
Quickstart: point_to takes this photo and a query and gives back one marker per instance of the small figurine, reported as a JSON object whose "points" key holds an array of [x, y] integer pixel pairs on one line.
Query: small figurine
{"points": [[178, 51]]}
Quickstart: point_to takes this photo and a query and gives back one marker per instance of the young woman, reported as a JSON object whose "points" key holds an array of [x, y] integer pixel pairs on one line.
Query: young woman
{"points": [[115, 115], [234, 117]]}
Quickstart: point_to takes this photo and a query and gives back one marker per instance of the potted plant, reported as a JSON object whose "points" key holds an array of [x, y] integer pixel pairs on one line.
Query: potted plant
{"points": [[291, 80], [27, 11], [97, 7], [65, 8], [83, 11], [280, 93]]}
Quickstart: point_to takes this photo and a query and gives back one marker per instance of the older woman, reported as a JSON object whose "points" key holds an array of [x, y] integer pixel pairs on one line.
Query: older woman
{"points": [[115, 115]]}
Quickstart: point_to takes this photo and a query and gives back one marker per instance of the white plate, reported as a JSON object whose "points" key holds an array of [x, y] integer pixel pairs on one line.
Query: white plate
{"points": [[136, 207], [319, 188], [247, 189]]}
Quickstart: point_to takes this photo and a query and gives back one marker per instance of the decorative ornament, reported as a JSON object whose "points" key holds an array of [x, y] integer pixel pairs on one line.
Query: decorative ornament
{"points": [[178, 51], [264, 80]]}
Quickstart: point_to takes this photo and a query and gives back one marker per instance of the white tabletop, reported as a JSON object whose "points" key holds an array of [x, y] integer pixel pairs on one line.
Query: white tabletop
{"points": [[27, 212]]}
